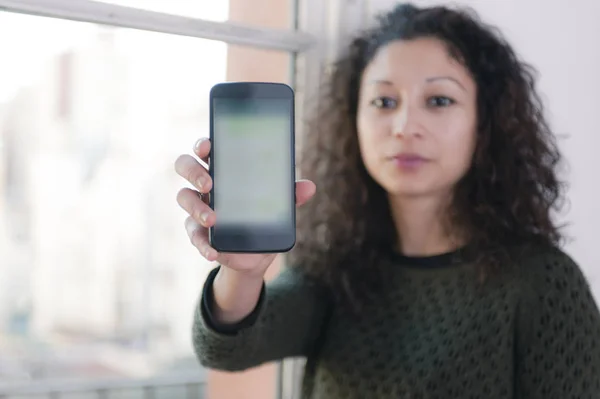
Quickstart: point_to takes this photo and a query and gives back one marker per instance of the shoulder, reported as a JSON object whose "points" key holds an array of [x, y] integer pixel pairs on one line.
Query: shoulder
{"points": [[549, 268], [556, 328], [553, 284]]}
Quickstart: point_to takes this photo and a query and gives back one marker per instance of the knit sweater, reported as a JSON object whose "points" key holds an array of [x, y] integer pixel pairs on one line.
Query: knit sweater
{"points": [[530, 332]]}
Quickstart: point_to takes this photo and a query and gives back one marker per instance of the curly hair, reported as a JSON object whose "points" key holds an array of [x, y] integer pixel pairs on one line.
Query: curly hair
{"points": [[505, 200]]}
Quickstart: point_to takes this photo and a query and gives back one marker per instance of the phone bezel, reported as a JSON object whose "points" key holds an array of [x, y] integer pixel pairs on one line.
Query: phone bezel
{"points": [[259, 240]]}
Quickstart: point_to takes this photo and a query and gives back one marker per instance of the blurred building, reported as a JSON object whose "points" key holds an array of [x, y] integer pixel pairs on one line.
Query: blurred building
{"points": [[94, 253]]}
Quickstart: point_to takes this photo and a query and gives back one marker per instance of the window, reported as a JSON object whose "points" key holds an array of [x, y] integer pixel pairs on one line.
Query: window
{"points": [[98, 279]]}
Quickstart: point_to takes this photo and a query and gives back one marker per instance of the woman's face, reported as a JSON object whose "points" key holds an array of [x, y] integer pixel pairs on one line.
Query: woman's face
{"points": [[416, 118]]}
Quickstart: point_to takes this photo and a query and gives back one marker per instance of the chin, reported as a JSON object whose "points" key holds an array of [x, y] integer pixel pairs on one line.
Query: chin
{"points": [[410, 187], [410, 192]]}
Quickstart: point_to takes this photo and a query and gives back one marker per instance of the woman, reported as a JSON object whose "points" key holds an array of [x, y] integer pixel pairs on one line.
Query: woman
{"points": [[427, 264]]}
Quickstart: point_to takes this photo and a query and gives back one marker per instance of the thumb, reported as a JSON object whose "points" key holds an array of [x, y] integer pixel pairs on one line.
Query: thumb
{"points": [[305, 190]]}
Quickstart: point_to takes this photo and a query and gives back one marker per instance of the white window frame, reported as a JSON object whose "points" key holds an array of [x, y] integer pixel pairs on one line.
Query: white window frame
{"points": [[128, 17]]}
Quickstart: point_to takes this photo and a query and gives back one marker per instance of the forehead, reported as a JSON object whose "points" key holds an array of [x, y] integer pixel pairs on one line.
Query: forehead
{"points": [[416, 59]]}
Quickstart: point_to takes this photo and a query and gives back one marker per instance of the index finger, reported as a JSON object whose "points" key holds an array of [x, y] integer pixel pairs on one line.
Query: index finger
{"points": [[202, 149]]}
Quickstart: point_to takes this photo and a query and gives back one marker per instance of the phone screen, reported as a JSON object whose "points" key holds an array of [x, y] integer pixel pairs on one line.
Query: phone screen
{"points": [[253, 166]]}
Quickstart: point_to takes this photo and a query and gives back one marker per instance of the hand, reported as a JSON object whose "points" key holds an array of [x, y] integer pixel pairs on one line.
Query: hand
{"points": [[201, 216]]}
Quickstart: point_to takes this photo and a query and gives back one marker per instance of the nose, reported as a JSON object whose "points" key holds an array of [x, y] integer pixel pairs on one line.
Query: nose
{"points": [[405, 122]]}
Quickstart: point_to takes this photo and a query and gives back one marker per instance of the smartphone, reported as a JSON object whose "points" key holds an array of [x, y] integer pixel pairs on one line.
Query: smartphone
{"points": [[252, 164]]}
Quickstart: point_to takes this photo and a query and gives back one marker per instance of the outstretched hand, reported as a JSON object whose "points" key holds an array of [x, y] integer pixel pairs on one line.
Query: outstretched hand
{"points": [[201, 216]]}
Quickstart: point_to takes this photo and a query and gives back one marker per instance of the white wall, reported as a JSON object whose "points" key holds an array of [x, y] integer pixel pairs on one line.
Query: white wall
{"points": [[560, 38]]}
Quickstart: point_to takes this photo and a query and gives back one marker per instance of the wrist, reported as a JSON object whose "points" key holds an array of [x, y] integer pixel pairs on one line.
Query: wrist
{"points": [[235, 278], [235, 294]]}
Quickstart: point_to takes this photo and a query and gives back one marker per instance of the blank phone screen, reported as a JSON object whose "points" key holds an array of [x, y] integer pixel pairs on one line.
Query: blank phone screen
{"points": [[253, 157]]}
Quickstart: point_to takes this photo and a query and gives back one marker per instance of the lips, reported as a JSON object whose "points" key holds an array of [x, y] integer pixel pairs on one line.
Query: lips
{"points": [[409, 161], [409, 158]]}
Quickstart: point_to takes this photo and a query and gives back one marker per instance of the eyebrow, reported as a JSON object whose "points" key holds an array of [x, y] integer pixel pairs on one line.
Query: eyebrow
{"points": [[428, 80], [450, 78]]}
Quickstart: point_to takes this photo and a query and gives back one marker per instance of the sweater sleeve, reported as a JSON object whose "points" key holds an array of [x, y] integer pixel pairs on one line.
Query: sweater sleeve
{"points": [[286, 323], [558, 333]]}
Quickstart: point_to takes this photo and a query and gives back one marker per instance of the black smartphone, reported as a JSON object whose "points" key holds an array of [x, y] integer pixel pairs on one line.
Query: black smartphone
{"points": [[253, 167]]}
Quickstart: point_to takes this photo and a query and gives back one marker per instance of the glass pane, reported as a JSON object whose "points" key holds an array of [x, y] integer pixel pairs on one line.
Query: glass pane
{"points": [[98, 279], [264, 13]]}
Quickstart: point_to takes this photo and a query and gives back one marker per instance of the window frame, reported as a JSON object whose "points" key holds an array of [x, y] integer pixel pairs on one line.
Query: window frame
{"points": [[128, 17]]}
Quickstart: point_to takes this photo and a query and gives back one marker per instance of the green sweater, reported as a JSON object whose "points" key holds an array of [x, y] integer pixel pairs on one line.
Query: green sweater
{"points": [[531, 332]]}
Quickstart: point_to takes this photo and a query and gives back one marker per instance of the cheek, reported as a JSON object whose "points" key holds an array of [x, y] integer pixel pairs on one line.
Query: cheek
{"points": [[458, 149], [371, 134]]}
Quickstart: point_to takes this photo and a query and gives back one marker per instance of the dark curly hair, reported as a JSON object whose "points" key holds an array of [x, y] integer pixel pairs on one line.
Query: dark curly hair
{"points": [[505, 200]]}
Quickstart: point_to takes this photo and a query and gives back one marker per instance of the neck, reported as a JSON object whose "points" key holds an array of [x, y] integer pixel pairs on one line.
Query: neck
{"points": [[420, 226]]}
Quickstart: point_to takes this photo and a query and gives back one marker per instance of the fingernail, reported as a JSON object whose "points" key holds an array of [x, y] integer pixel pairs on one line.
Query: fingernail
{"points": [[198, 144], [204, 217], [200, 182]]}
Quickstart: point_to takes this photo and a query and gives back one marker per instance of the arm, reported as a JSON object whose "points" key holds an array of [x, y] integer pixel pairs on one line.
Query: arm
{"points": [[285, 323], [558, 333], [232, 296]]}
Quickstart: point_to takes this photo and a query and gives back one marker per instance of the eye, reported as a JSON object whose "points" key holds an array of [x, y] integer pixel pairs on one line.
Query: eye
{"points": [[384, 102], [440, 101]]}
